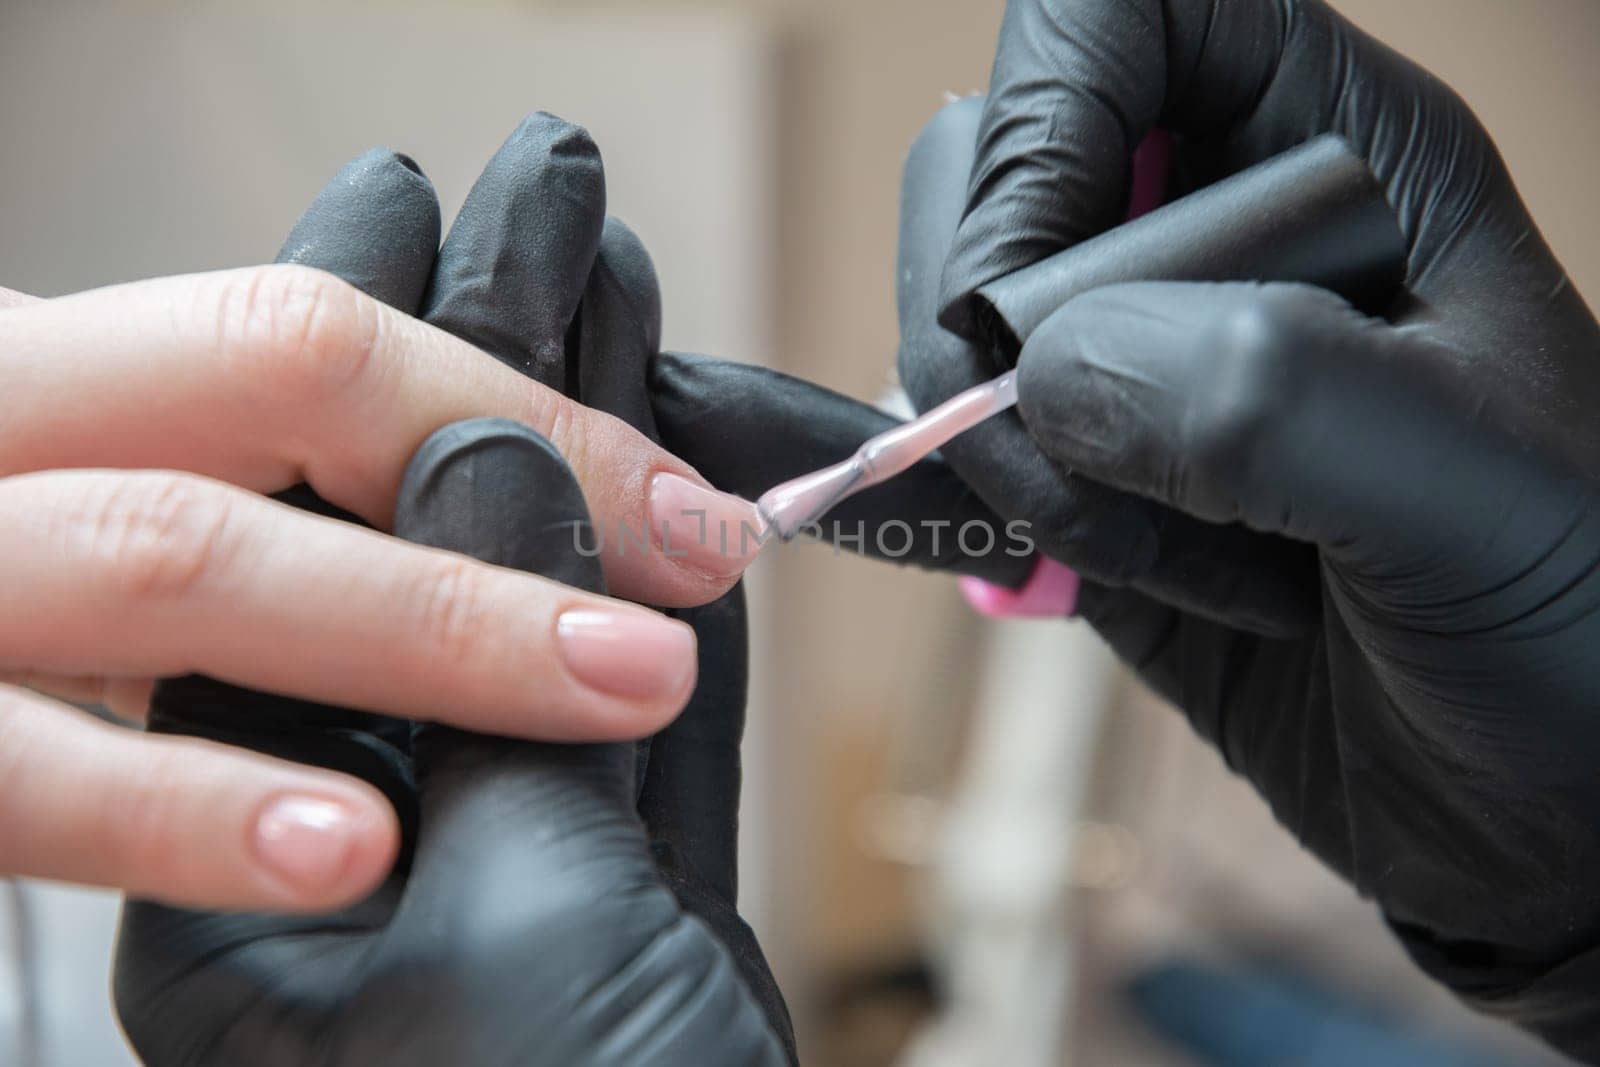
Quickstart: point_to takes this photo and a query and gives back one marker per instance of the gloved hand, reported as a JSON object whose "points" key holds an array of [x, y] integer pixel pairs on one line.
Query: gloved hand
{"points": [[553, 904], [1426, 487]]}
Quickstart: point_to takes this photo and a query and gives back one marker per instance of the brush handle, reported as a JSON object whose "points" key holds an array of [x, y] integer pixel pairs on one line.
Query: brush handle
{"points": [[899, 449], [788, 508]]}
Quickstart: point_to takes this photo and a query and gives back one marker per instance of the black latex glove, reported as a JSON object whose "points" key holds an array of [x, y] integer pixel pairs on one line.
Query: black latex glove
{"points": [[553, 904], [1428, 486]]}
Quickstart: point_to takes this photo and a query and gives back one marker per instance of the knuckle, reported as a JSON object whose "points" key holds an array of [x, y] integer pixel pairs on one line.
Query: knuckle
{"points": [[448, 611], [300, 334], [1251, 383], [564, 423], [160, 537]]}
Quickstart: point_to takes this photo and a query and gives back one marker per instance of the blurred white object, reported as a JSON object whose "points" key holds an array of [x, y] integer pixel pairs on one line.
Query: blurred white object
{"points": [[18, 1022], [998, 923], [55, 967]]}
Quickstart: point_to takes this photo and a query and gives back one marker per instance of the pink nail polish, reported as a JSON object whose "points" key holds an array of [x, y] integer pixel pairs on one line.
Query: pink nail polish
{"points": [[713, 532], [633, 654], [307, 841]]}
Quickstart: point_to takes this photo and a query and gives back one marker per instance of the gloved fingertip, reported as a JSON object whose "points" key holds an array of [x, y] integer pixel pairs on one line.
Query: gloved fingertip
{"points": [[409, 163], [523, 174], [496, 490], [934, 187], [618, 329], [626, 262], [511, 274], [383, 181], [542, 140], [376, 224], [955, 124]]}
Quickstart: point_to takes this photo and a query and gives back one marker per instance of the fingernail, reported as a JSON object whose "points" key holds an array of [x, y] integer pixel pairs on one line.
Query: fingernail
{"points": [[307, 841], [631, 654], [713, 532]]}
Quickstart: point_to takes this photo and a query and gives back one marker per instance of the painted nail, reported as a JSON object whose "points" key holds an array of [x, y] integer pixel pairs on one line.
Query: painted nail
{"points": [[307, 841], [632, 654], [714, 532]]}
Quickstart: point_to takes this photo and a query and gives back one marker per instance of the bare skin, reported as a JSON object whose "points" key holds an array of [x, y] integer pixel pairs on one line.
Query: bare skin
{"points": [[141, 425]]}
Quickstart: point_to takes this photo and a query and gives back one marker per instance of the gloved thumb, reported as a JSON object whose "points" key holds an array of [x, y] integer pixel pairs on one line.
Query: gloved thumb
{"points": [[1281, 407]]}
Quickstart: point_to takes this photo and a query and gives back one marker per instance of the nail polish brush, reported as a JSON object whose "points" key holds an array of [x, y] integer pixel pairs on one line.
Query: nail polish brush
{"points": [[787, 508]]}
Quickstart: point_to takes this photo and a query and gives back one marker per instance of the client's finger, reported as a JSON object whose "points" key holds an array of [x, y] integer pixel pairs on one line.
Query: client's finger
{"points": [[182, 820], [126, 698], [273, 375], [161, 574]]}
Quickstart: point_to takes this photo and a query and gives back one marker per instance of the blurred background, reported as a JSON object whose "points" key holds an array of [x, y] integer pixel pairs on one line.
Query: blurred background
{"points": [[962, 839]]}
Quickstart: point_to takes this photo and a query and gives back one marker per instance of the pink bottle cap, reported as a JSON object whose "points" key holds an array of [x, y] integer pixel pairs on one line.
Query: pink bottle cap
{"points": [[1051, 591]]}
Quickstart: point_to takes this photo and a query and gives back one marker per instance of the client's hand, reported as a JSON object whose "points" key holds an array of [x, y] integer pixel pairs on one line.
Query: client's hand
{"points": [[554, 904], [203, 391]]}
